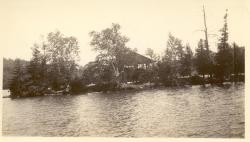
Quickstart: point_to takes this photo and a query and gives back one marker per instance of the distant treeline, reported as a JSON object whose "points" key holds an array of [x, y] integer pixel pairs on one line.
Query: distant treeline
{"points": [[8, 68], [53, 64]]}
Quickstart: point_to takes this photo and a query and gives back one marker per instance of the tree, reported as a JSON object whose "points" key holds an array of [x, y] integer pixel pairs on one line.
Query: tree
{"points": [[37, 70], [202, 59], [34, 66], [165, 72], [9, 66], [224, 55], [135, 50], [208, 52], [111, 45], [238, 60], [186, 62], [174, 54], [62, 54], [97, 72], [171, 67], [18, 84], [53, 64], [150, 53]]}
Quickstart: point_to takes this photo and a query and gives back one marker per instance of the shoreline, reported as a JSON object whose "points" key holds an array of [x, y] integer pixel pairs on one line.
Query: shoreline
{"points": [[135, 88]]}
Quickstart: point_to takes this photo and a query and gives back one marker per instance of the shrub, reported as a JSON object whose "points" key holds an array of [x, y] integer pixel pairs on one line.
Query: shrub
{"points": [[77, 86], [196, 80]]}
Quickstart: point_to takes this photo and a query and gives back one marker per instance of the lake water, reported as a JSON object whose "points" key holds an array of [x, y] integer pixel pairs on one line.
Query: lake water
{"points": [[189, 112]]}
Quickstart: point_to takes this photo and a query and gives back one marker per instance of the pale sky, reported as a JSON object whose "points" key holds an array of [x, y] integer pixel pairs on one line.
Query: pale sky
{"points": [[147, 23]]}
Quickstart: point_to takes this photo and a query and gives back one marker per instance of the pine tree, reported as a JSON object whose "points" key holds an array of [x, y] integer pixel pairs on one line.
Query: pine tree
{"points": [[238, 61], [224, 57], [202, 61], [34, 68], [186, 62], [200, 58], [18, 83]]}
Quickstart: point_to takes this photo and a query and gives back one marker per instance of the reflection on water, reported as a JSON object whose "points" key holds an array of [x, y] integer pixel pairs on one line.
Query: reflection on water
{"points": [[188, 112]]}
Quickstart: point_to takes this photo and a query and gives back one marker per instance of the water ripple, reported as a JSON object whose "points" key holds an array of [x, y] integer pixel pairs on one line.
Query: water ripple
{"points": [[189, 112]]}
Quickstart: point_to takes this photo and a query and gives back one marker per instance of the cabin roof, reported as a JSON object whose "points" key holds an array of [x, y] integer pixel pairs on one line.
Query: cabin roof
{"points": [[130, 58], [133, 58]]}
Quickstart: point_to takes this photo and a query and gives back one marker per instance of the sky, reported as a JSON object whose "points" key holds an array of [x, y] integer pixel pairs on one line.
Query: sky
{"points": [[147, 23]]}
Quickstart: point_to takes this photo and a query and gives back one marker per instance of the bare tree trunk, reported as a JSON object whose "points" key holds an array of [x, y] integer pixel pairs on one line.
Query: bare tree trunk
{"points": [[116, 74], [205, 30]]}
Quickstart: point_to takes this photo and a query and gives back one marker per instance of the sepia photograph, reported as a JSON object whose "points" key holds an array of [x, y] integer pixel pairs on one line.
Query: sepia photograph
{"points": [[124, 68]]}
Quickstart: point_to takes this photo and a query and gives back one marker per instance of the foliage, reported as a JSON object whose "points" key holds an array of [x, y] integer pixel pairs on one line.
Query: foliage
{"points": [[176, 61], [186, 62], [142, 75], [62, 56], [19, 82], [97, 72], [224, 56], [196, 80], [53, 65], [111, 45], [165, 73], [150, 53], [174, 54], [238, 61], [77, 86], [8, 70], [203, 61]]}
